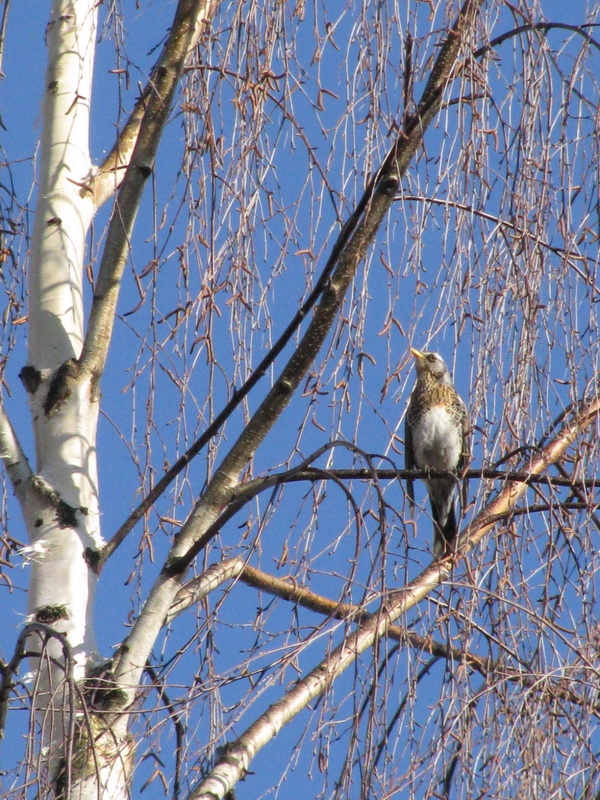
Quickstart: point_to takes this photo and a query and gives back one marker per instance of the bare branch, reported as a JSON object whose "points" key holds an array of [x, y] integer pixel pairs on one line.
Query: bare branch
{"points": [[491, 670], [109, 176], [199, 587], [288, 589], [550, 454], [539, 26], [14, 459], [156, 110], [354, 239]]}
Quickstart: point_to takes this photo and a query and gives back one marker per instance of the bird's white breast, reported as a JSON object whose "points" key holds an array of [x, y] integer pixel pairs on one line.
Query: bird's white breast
{"points": [[437, 440]]}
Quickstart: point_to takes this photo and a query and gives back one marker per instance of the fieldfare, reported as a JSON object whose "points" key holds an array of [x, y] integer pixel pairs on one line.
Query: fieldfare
{"points": [[436, 438]]}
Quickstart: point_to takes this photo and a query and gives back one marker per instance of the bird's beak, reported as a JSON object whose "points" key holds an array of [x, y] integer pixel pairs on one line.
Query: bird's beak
{"points": [[416, 353]]}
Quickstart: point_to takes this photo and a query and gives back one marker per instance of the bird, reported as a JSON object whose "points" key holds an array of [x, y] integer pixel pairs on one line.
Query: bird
{"points": [[436, 437]]}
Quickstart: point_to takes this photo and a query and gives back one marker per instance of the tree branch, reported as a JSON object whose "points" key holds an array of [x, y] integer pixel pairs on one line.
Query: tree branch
{"points": [[372, 209], [304, 472], [195, 590], [109, 175], [156, 110], [538, 465], [288, 589], [14, 459], [537, 26]]}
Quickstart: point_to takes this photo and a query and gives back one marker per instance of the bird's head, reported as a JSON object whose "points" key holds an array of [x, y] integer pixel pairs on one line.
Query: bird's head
{"points": [[431, 364]]}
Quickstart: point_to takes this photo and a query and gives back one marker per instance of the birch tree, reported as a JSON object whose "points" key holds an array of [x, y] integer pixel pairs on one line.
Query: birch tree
{"points": [[334, 185]]}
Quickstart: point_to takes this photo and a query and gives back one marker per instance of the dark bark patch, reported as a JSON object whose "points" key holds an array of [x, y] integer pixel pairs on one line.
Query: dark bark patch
{"points": [[66, 515], [92, 559], [30, 378], [101, 691], [48, 615], [60, 386]]}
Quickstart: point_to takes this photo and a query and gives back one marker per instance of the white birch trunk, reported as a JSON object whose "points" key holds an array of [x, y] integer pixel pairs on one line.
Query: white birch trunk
{"points": [[62, 511], [63, 212]]}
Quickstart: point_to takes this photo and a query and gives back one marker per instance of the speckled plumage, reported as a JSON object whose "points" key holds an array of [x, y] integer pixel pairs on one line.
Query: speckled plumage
{"points": [[436, 438]]}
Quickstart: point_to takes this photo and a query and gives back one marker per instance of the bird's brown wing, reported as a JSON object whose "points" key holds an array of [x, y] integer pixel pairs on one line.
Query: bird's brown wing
{"points": [[409, 461], [465, 457]]}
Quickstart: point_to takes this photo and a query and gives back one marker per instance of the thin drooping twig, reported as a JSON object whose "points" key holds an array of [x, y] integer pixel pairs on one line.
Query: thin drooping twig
{"points": [[373, 207], [538, 26], [395, 163], [21, 653], [239, 394], [178, 725]]}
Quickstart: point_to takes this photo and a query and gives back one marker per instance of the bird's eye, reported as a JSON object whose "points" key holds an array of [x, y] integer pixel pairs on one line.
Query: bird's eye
{"points": [[432, 357]]}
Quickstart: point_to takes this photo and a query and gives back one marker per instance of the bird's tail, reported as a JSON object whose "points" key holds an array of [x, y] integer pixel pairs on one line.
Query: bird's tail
{"points": [[445, 530]]}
